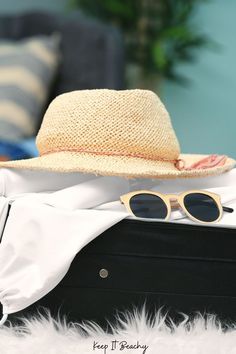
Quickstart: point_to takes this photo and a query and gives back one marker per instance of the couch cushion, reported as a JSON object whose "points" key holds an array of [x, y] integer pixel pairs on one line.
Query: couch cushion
{"points": [[27, 70]]}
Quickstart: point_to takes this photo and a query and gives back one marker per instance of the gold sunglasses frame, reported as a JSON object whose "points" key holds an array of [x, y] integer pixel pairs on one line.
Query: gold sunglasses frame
{"points": [[173, 200]]}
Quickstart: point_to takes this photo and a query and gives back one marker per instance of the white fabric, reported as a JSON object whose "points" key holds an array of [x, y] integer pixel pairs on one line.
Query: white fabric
{"points": [[14, 182], [45, 230]]}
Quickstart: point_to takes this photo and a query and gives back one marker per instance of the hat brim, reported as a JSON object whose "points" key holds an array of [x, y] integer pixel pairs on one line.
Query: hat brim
{"points": [[116, 166]]}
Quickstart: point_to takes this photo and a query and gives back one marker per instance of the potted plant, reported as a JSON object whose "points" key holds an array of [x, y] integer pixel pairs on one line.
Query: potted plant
{"points": [[157, 33]]}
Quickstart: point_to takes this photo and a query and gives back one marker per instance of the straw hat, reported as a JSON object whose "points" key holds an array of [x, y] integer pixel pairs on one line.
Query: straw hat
{"points": [[124, 133]]}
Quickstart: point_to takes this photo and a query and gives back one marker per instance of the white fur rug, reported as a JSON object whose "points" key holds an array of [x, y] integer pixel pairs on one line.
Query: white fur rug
{"points": [[134, 335]]}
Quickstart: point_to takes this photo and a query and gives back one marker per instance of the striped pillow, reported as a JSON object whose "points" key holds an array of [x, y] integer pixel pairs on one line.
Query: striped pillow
{"points": [[27, 70]]}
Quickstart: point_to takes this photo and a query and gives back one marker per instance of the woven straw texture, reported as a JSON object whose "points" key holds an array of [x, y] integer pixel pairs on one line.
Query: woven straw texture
{"points": [[124, 133]]}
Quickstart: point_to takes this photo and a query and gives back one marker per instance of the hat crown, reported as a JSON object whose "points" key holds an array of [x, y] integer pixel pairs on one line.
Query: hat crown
{"points": [[109, 122]]}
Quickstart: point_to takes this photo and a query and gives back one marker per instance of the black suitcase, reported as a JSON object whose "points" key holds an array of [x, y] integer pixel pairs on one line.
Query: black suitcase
{"points": [[181, 268]]}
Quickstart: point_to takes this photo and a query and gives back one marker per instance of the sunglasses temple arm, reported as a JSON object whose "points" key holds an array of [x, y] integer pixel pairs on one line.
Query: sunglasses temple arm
{"points": [[228, 210]]}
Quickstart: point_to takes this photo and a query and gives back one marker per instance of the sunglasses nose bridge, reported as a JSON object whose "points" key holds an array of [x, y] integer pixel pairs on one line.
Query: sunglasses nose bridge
{"points": [[172, 197], [174, 201]]}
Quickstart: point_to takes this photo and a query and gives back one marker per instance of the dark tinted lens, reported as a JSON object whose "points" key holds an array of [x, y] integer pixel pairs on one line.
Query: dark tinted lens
{"points": [[201, 207], [148, 206]]}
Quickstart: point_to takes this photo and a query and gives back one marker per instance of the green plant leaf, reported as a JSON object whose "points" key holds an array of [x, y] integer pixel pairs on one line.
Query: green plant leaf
{"points": [[157, 33], [159, 55], [178, 33]]}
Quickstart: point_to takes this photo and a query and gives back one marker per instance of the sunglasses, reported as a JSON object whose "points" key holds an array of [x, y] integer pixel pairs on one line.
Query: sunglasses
{"points": [[201, 206]]}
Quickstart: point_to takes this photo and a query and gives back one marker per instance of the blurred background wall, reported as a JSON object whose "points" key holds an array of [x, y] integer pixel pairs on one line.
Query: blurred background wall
{"points": [[204, 112], [16, 6]]}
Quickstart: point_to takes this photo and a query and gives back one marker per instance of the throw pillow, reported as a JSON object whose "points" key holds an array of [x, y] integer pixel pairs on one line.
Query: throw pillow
{"points": [[27, 70]]}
